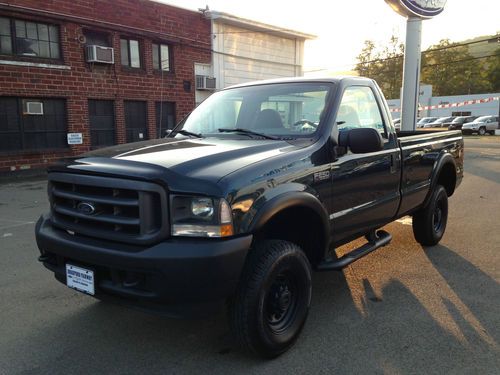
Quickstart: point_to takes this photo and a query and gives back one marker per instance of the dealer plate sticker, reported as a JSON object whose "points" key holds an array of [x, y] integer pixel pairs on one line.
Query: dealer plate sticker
{"points": [[80, 279]]}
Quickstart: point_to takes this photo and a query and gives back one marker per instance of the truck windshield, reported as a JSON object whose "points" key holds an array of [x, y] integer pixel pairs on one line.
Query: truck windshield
{"points": [[284, 110]]}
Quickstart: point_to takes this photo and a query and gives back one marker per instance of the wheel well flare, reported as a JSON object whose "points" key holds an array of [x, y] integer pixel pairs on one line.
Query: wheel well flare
{"points": [[300, 225]]}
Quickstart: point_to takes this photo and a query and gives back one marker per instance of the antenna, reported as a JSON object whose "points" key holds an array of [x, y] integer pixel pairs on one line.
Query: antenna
{"points": [[204, 10]]}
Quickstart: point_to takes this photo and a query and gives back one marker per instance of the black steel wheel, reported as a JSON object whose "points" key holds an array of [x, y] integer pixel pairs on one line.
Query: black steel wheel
{"points": [[429, 223], [273, 298]]}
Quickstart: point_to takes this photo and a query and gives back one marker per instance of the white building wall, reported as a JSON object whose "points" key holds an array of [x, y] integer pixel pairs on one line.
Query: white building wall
{"points": [[241, 55], [480, 109]]}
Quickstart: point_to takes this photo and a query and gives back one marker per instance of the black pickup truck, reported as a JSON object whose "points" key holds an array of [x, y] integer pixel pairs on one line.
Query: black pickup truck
{"points": [[242, 200]]}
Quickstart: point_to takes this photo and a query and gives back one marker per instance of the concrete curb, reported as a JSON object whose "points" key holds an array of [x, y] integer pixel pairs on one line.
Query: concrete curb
{"points": [[20, 176]]}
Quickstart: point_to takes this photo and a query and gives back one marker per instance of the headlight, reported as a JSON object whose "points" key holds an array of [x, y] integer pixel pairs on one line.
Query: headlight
{"points": [[200, 217], [202, 207]]}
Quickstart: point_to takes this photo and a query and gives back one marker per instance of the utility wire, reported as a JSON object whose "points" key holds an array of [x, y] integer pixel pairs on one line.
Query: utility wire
{"points": [[458, 61], [438, 64], [348, 66], [432, 50], [271, 32]]}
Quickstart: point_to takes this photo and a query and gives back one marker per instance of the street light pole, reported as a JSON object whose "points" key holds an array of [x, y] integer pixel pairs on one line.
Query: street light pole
{"points": [[411, 73], [414, 11]]}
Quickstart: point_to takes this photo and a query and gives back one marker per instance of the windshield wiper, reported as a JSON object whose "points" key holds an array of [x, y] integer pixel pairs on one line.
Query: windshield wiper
{"points": [[186, 132], [246, 131]]}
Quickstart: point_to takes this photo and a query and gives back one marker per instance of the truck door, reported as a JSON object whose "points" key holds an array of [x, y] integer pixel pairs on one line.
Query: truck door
{"points": [[365, 187]]}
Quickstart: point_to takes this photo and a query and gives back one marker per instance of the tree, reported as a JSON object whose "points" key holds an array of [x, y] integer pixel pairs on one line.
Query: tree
{"points": [[492, 71], [447, 66], [452, 70], [392, 69], [365, 59], [385, 66]]}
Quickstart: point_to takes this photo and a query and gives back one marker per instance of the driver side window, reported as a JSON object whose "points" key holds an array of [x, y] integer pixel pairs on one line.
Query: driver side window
{"points": [[359, 109]]}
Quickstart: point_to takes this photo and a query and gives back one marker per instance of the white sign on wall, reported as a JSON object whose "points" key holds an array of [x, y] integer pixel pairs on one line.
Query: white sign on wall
{"points": [[75, 138]]}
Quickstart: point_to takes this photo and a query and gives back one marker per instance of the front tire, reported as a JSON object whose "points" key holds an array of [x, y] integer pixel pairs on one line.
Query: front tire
{"points": [[273, 298], [482, 131], [429, 223]]}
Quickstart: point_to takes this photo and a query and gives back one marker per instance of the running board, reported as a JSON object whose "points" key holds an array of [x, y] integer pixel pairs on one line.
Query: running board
{"points": [[381, 238]]}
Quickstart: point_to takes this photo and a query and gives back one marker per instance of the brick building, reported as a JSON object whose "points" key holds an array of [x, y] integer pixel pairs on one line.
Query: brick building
{"points": [[58, 75]]}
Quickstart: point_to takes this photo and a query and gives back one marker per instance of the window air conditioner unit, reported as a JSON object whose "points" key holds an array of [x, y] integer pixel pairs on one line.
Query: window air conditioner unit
{"points": [[205, 83], [99, 54], [34, 108]]}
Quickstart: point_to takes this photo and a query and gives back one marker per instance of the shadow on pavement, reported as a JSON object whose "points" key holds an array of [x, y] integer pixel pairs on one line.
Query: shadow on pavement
{"points": [[478, 291], [388, 332], [478, 166]]}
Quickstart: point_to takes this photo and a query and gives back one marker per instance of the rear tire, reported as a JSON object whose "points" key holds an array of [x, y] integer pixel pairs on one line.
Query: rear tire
{"points": [[429, 223], [273, 298]]}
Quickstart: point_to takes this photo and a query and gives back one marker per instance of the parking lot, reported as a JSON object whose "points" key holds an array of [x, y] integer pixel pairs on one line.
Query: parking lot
{"points": [[401, 310]]}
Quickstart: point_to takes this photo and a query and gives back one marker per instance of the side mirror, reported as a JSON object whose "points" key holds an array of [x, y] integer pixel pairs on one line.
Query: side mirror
{"points": [[362, 140]]}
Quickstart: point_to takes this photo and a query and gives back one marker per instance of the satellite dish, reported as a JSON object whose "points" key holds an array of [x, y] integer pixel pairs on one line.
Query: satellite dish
{"points": [[81, 39]]}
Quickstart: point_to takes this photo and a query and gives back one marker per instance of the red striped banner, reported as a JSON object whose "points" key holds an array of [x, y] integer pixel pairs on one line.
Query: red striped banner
{"points": [[452, 105]]}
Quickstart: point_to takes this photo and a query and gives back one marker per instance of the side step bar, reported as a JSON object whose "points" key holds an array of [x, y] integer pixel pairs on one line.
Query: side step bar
{"points": [[381, 238]]}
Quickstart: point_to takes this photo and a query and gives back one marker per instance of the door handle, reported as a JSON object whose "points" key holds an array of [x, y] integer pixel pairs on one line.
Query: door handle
{"points": [[393, 164]]}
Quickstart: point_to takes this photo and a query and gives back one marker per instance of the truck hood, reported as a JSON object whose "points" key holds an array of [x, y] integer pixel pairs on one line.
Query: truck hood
{"points": [[205, 158]]}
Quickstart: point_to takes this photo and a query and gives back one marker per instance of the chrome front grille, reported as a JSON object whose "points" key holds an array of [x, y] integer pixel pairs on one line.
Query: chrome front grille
{"points": [[113, 209]]}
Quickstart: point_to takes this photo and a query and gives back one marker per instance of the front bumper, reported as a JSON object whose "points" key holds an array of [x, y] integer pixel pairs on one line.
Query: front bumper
{"points": [[175, 277]]}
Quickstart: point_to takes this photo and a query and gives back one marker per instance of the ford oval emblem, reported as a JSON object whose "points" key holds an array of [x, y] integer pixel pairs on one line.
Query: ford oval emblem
{"points": [[86, 208], [417, 8]]}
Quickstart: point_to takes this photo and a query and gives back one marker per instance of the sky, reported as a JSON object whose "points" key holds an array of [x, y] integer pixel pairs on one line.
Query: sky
{"points": [[341, 26]]}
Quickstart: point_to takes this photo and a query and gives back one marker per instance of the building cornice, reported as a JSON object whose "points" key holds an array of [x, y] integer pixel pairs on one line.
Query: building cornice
{"points": [[229, 19]]}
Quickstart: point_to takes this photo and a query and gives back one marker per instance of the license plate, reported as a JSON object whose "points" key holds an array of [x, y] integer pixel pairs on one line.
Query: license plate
{"points": [[80, 279]]}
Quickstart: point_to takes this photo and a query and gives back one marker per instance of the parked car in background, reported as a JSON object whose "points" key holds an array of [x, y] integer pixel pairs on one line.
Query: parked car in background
{"points": [[439, 122], [425, 120], [481, 125], [457, 123], [397, 123]]}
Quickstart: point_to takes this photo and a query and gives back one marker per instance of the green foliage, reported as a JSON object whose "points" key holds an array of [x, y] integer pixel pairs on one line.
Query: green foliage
{"points": [[447, 66], [452, 70], [493, 70], [385, 66]]}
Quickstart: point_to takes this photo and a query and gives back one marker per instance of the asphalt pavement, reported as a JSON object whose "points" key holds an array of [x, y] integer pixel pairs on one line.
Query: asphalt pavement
{"points": [[401, 310]]}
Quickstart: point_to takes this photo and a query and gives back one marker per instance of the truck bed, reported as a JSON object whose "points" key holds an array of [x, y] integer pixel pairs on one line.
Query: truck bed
{"points": [[420, 153]]}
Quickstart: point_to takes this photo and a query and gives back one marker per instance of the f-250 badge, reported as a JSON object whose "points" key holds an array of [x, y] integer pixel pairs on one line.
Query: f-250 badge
{"points": [[321, 176]]}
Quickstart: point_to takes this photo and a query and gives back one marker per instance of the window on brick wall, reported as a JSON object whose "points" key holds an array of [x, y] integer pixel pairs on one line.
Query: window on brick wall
{"points": [[161, 57], [102, 123], [130, 53], [165, 117], [5, 36], [96, 38], [29, 39], [21, 129], [136, 120], [10, 125]]}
